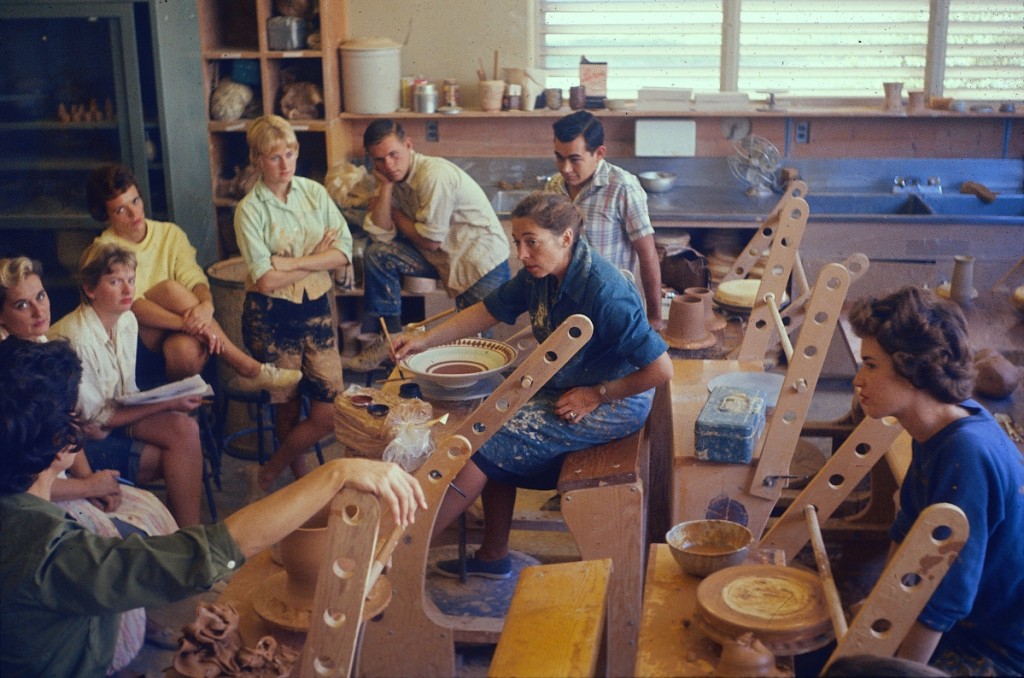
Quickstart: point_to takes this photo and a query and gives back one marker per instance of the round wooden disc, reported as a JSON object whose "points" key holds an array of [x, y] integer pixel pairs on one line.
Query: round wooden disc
{"points": [[271, 602], [783, 606], [739, 295]]}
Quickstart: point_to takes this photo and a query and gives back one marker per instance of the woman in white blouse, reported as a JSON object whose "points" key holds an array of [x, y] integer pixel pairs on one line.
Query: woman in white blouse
{"points": [[143, 442]]}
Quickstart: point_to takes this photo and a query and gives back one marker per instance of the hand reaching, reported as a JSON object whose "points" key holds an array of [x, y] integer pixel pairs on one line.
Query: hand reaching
{"points": [[399, 491]]}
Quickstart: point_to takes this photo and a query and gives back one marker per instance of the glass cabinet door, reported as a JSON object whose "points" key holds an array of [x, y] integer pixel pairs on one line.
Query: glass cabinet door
{"points": [[70, 100]]}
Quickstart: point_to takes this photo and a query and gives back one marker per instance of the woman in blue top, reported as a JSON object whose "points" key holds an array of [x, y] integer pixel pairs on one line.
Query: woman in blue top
{"points": [[917, 367], [603, 393]]}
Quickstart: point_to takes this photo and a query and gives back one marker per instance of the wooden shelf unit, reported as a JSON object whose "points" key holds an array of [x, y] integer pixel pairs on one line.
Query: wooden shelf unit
{"points": [[233, 38]]}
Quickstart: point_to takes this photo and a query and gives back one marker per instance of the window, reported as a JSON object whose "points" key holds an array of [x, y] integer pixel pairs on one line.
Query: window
{"points": [[806, 47], [985, 50]]}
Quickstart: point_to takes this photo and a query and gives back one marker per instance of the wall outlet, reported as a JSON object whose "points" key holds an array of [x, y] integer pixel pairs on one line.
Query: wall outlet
{"points": [[432, 132], [802, 132]]}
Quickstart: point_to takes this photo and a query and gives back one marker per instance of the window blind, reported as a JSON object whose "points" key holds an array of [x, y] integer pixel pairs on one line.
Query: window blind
{"points": [[985, 50], [807, 47]]}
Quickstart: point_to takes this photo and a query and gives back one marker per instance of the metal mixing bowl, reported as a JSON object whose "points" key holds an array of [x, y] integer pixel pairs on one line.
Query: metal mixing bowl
{"points": [[657, 182]]}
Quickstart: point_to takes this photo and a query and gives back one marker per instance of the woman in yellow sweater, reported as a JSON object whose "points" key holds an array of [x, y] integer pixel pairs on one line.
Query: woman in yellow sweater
{"points": [[172, 299]]}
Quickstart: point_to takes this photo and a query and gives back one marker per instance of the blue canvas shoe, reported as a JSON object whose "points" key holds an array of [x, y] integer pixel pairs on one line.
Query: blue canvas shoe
{"points": [[491, 569]]}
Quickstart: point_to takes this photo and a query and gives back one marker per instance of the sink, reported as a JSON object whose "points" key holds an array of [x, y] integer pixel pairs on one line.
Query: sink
{"points": [[868, 203], [1011, 205], [504, 201]]}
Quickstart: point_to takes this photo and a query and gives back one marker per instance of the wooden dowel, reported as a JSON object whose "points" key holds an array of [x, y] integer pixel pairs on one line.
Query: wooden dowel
{"points": [[787, 346], [495, 65], [391, 344], [835, 606], [436, 316]]}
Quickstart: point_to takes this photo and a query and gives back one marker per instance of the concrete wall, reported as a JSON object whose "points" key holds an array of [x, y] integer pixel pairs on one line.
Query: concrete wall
{"points": [[448, 38]]}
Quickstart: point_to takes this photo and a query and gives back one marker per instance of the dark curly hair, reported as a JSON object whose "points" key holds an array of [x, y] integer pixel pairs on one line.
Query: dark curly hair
{"points": [[37, 408], [106, 183], [925, 336]]}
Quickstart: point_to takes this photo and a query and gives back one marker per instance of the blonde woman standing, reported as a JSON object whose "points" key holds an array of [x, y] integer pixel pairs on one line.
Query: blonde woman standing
{"points": [[291, 236]]}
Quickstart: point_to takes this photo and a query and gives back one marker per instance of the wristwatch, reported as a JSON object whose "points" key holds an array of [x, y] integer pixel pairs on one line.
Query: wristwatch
{"points": [[602, 391]]}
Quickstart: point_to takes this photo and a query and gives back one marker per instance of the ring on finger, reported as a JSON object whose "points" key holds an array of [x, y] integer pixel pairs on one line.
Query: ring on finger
{"points": [[572, 415]]}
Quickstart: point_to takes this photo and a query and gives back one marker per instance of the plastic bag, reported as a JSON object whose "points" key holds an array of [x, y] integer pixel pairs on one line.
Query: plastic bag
{"points": [[412, 442]]}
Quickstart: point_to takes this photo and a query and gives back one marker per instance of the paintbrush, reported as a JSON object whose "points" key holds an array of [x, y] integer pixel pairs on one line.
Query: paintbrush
{"points": [[481, 72], [391, 345]]}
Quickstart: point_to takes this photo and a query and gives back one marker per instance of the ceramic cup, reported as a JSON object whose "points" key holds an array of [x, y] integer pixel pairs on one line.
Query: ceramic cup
{"points": [[893, 96], [577, 97], [915, 102], [553, 98], [491, 93]]}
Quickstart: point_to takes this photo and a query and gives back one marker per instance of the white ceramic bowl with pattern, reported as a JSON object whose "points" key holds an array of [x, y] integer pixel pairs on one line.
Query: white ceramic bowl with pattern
{"points": [[460, 364]]}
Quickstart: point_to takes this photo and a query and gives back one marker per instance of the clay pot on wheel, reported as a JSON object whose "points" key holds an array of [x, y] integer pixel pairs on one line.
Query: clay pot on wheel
{"points": [[302, 553]]}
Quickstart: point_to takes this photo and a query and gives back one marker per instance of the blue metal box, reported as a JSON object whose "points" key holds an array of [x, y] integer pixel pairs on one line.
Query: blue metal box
{"points": [[730, 425]]}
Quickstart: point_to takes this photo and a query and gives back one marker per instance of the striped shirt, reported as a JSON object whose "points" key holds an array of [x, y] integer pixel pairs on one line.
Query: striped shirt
{"points": [[614, 208]]}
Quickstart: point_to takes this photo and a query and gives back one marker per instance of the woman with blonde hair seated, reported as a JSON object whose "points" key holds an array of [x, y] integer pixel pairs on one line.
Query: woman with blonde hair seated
{"points": [[143, 442]]}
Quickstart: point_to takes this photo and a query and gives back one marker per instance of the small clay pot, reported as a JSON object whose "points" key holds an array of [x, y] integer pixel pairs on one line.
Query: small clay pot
{"points": [[687, 328], [302, 553], [713, 321], [746, 656]]}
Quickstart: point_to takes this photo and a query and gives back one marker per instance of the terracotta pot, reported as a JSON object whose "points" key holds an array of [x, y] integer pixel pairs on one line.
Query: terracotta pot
{"points": [[713, 321], [302, 553], [687, 327]]}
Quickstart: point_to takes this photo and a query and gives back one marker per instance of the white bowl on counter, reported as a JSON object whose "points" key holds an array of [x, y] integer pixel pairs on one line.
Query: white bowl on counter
{"points": [[657, 182]]}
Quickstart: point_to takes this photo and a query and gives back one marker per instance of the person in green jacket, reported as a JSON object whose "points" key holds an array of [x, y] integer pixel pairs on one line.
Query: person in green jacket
{"points": [[62, 588]]}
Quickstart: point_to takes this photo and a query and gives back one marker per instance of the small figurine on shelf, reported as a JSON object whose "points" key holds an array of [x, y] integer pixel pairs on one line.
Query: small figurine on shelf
{"points": [[108, 110], [93, 114], [63, 115], [78, 113]]}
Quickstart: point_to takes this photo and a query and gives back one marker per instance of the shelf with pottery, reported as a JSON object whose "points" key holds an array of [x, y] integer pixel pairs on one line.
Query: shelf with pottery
{"points": [[243, 78]]}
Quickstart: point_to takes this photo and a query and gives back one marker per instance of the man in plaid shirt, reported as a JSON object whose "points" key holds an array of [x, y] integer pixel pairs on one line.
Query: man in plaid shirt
{"points": [[612, 201]]}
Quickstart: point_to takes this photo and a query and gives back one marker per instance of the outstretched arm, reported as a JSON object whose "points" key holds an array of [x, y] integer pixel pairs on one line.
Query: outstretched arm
{"points": [[267, 521]]}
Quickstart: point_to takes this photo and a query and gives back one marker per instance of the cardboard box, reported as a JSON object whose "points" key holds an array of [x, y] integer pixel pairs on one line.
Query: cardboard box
{"points": [[594, 77]]}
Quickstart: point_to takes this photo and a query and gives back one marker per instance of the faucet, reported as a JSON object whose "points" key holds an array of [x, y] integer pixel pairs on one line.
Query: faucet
{"points": [[903, 185]]}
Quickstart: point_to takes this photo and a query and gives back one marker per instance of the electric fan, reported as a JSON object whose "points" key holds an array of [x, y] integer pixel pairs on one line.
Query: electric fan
{"points": [[755, 165]]}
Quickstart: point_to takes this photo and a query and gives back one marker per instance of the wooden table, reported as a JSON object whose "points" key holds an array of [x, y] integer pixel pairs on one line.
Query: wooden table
{"points": [[686, 394], [670, 643]]}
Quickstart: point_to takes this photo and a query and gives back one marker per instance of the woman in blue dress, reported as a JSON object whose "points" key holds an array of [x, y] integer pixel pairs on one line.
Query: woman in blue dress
{"points": [[918, 367], [603, 393]]}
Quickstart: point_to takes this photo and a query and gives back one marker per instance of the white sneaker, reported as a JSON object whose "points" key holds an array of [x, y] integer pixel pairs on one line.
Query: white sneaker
{"points": [[370, 358], [270, 378]]}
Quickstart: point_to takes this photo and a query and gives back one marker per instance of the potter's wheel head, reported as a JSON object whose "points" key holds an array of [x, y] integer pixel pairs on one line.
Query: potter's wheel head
{"points": [[273, 602]]}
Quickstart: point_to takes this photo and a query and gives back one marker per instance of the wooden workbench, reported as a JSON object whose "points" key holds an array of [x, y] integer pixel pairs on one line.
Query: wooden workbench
{"points": [[687, 393], [670, 643]]}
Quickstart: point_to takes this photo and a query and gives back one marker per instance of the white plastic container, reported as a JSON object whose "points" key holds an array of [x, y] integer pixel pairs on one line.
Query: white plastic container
{"points": [[371, 75]]}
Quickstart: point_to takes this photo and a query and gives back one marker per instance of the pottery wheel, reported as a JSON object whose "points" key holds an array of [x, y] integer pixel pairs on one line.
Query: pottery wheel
{"points": [[271, 603], [784, 607]]}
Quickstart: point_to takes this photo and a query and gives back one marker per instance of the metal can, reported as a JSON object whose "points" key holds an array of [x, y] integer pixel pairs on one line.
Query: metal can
{"points": [[426, 98], [451, 93]]}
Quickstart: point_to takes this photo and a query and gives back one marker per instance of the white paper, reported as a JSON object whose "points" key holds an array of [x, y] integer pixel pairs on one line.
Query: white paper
{"points": [[193, 385]]}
